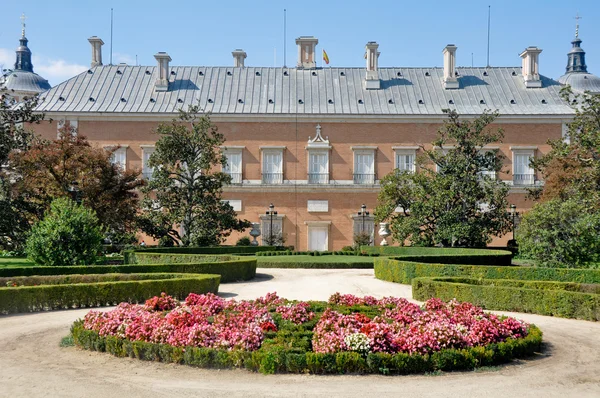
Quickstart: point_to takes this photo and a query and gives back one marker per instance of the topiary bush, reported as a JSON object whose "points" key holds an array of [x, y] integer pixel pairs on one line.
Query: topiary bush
{"points": [[244, 241], [560, 233], [69, 234]]}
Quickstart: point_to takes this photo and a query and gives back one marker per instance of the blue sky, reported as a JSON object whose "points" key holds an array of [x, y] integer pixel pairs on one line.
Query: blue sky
{"points": [[204, 33]]}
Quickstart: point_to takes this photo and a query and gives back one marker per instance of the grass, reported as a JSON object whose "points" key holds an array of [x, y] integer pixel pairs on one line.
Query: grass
{"points": [[313, 259], [8, 262]]}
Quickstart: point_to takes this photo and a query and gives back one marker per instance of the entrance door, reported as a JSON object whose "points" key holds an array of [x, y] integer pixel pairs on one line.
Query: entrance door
{"points": [[318, 238]]}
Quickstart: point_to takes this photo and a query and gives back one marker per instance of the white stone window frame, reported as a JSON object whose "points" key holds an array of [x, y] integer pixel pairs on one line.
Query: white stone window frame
{"points": [[523, 179], [491, 173], [147, 151], [73, 124], [265, 226], [363, 178], [318, 146], [403, 151], [235, 203], [121, 150], [269, 177], [357, 226], [236, 178]]}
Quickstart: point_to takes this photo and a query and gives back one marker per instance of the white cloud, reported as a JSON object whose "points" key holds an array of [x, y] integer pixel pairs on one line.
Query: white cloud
{"points": [[123, 58], [52, 69]]}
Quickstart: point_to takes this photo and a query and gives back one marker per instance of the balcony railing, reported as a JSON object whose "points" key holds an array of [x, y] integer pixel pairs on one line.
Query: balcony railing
{"points": [[272, 178], [318, 178], [236, 178], [364, 179], [523, 179], [490, 173]]}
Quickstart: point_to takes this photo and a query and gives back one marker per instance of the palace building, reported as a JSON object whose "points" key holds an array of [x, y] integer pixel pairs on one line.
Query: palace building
{"points": [[313, 141]]}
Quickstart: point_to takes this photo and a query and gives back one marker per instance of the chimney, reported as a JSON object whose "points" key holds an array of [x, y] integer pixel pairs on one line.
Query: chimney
{"points": [[372, 81], [531, 67], [306, 52], [450, 80], [96, 43], [162, 80], [239, 56]]}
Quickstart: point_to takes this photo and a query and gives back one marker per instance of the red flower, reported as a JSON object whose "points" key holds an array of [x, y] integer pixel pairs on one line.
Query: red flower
{"points": [[268, 327]]}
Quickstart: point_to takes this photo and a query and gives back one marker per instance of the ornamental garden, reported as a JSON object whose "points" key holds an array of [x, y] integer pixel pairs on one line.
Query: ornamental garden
{"points": [[70, 241]]}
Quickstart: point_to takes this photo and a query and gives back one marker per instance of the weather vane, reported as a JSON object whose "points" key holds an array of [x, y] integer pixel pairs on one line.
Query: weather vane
{"points": [[23, 18], [577, 18]]}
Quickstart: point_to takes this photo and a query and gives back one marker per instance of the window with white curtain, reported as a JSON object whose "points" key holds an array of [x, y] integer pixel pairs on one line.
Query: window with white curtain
{"points": [[364, 166], [119, 157], [523, 173], [318, 167], [272, 166], [405, 159], [234, 165], [146, 169]]}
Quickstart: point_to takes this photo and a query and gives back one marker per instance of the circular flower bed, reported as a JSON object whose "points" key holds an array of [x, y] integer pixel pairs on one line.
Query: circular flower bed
{"points": [[346, 334]]}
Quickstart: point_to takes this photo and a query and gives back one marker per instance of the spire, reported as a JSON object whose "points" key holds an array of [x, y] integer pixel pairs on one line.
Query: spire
{"points": [[576, 57], [23, 53]]}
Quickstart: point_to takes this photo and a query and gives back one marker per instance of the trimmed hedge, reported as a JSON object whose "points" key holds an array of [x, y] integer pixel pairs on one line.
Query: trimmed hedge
{"points": [[230, 271], [318, 265], [206, 250], [175, 258], [276, 359], [443, 255], [563, 299], [63, 292], [400, 271]]}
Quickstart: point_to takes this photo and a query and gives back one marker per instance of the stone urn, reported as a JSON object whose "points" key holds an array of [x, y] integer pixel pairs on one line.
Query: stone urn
{"points": [[384, 232], [255, 233]]}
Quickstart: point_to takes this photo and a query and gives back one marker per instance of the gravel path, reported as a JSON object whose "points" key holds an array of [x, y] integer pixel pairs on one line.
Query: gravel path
{"points": [[33, 365]]}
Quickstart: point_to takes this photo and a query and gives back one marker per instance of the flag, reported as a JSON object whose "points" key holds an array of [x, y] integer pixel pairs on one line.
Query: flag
{"points": [[325, 57]]}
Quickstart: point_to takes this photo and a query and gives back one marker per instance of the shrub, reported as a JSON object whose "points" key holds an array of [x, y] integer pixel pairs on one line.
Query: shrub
{"points": [[560, 233], [362, 239], [41, 293], [244, 241], [230, 271], [399, 271], [568, 300], [69, 234], [347, 249]]}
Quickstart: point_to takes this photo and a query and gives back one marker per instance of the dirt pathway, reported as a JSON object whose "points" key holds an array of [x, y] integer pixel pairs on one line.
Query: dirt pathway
{"points": [[33, 365]]}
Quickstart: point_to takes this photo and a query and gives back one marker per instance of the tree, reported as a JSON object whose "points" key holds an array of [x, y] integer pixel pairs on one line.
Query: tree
{"points": [[453, 203], [185, 189], [561, 233], [572, 167], [14, 116], [69, 234], [49, 169]]}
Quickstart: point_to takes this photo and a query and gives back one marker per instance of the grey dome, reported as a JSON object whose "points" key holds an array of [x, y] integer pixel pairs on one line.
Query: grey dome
{"points": [[23, 81], [581, 82]]}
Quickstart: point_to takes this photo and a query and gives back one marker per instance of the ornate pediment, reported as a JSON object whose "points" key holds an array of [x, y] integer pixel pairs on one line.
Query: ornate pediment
{"points": [[318, 142]]}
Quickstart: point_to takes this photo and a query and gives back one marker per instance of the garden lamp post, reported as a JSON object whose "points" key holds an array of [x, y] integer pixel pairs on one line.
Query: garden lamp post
{"points": [[513, 212], [363, 213], [271, 213]]}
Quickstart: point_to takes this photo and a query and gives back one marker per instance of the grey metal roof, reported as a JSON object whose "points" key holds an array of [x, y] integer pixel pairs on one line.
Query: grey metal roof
{"points": [[581, 82], [326, 91], [19, 80]]}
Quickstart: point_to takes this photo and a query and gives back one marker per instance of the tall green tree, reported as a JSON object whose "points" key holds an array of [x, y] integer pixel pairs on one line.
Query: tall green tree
{"points": [[14, 208], [572, 167], [449, 201], [185, 188]]}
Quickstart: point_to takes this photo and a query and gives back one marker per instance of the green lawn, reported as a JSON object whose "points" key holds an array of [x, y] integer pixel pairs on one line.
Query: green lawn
{"points": [[6, 262], [313, 259]]}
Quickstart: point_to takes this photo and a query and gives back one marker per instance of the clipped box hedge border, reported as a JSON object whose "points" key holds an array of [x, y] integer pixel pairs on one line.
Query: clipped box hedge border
{"points": [[281, 360], [318, 265], [443, 255], [230, 271], [65, 296], [205, 250], [544, 298], [402, 271]]}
